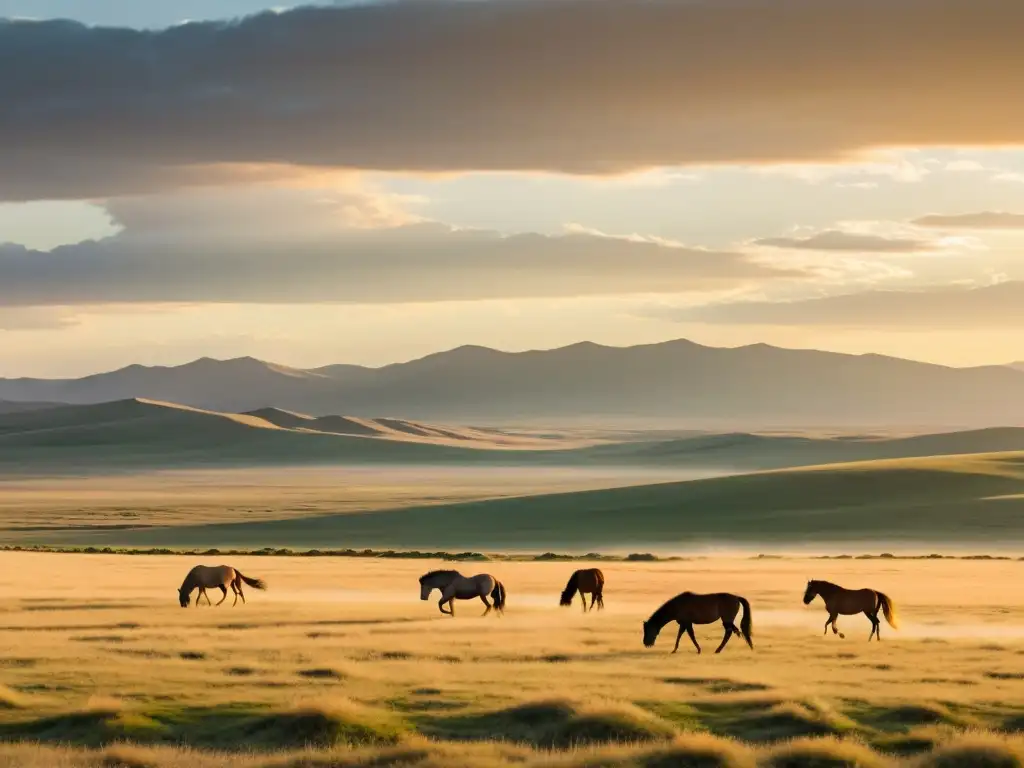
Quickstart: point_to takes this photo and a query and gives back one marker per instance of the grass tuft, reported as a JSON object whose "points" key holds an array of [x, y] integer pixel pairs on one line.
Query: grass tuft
{"points": [[323, 726], [977, 750], [9, 699], [823, 753]]}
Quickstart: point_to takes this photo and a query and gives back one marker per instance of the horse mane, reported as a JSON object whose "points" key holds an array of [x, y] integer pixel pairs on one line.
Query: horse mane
{"points": [[441, 572], [822, 583], [190, 580], [663, 615]]}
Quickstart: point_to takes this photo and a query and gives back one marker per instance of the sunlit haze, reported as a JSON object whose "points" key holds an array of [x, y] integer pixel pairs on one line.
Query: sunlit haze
{"points": [[374, 203]]}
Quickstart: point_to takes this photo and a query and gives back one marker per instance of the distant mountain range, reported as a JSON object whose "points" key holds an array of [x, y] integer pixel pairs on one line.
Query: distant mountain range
{"points": [[673, 384]]}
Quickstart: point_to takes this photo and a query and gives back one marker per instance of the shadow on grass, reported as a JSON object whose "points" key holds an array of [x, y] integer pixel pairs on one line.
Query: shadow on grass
{"points": [[228, 728], [553, 724], [770, 719]]}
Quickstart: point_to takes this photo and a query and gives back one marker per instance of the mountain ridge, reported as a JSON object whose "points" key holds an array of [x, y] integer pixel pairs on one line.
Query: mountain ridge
{"points": [[678, 383]]}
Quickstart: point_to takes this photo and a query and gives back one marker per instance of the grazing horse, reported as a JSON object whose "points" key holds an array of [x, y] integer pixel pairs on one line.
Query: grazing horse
{"points": [[583, 581], [689, 609], [221, 577], [849, 602], [454, 586]]}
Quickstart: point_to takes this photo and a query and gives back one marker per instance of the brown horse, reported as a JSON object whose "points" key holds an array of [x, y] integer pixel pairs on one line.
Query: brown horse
{"points": [[583, 581], [849, 602], [689, 609], [204, 577]]}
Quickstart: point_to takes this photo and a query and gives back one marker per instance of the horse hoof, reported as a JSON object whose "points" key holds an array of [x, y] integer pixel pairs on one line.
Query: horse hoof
{"points": [[842, 636]]}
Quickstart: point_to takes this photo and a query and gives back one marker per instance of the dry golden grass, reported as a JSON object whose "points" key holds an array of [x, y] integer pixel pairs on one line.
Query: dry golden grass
{"points": [[340, 664]]}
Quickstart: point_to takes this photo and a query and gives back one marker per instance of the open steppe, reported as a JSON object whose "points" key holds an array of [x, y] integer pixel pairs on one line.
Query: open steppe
{"points": [[340, 664], [971, 503]]}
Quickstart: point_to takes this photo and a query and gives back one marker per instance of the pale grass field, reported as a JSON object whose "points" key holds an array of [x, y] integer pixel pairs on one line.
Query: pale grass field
{"points": [[31, 506], [94, 649]]}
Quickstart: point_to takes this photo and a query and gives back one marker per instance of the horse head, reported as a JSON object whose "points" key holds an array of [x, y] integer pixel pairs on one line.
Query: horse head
{"points": [[810, 593], [436, 580], [183, 598], [650, 634]]}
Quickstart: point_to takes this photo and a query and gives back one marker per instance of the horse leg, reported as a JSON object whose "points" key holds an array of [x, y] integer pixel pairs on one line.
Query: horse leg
{"points": [[234, 591], [484, 598], [583, 600], [693, 637], [451, 606], [728, 634], [441, 604], [225, 597], [832, 620], [878, 626], [682, 628]]}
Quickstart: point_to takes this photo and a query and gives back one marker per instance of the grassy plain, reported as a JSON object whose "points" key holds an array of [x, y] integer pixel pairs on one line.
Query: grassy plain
{"points": [[340, 664], [973, 502], [56, 508]]}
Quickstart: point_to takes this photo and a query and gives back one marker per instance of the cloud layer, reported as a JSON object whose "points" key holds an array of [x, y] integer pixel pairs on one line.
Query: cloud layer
{"points": [[838, 240], [939, 307], [282, 246], [982, 220], [582, 86]]}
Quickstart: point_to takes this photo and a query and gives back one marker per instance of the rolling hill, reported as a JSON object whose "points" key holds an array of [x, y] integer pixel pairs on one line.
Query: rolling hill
{"points": [[674, 384], [9, 406], [950, 502], [141, 434], [136, 434]]}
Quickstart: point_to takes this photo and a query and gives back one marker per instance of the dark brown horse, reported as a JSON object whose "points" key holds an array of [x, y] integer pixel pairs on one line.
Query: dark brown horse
{"points": [[849, 602], [689, 609], [583, 581]]}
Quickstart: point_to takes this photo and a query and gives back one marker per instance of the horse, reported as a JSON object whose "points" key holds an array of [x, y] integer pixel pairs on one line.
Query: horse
{"points": [[221, 577], [583, 581], [454, 585], [688, 609], [849, 602]]}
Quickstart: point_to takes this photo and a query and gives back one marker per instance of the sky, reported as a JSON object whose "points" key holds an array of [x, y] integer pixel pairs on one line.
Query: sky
{"points": [[370, 182]]}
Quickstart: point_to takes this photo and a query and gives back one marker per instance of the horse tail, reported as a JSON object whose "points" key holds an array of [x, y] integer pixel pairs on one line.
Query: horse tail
{"points": [[888, 608], [570, 589], [254, 583], [747, 622], [498, 595]]}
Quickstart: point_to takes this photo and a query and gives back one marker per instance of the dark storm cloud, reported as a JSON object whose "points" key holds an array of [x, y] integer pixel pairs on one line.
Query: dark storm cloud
{"points": [[581, 86]]}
